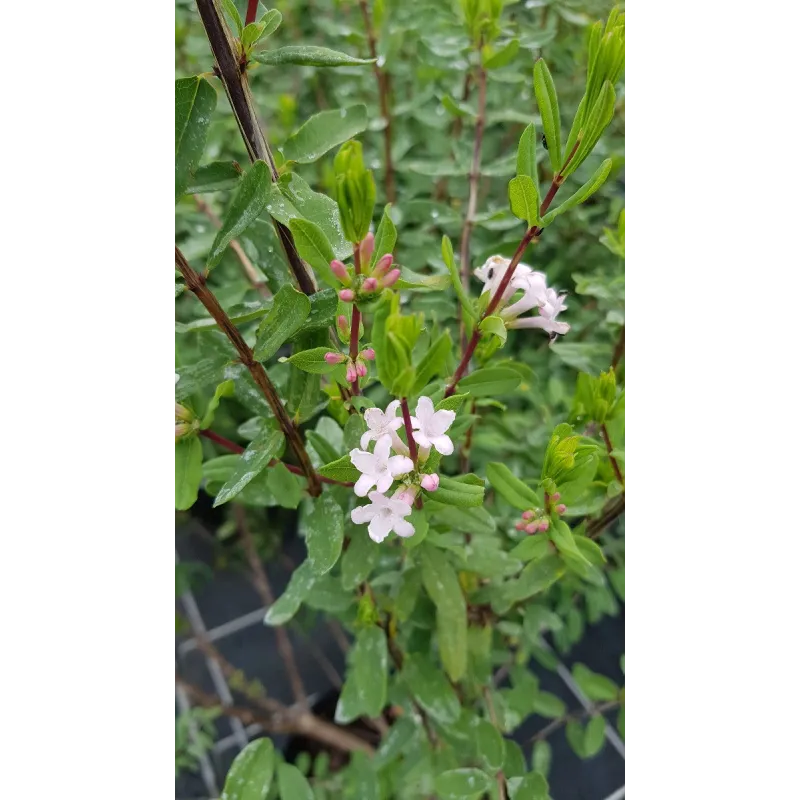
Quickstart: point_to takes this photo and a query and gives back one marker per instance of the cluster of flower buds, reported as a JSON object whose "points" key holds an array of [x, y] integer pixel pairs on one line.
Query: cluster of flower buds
{"points": [[185, 421], [372, 279], [535, 520], [355, 369]]}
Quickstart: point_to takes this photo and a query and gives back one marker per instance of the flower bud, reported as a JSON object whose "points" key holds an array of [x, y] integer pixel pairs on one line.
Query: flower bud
{"points": [[181, 412], [370, 285], [544, 525], [334, 358], [366, 248], [355, 191], [531, 527], [383, 266], [527, 515], [430, 482], [343, 325], [520, 526], [561, 508], [347, 295], [368, 354], [181, 429], [555, 497], [352, 375], [340, 271], [361, 369], [391, 278]]}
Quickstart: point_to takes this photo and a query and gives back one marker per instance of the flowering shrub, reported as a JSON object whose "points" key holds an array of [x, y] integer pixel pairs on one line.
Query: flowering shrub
{"points": [[456, 473]]}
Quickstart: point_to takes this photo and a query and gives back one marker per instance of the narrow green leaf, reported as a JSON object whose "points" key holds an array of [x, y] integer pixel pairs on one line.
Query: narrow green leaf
{"points": [[531, 548], [491, 382], [359, 559], [340, 470], [289, 311], [292, 784], [537, 576], [546, 704], [324, 534], [229, 7], [308, 56], [313, 246], [542, 757], [431, 689], [583, 194], [547, 100], [526, 154], [214, 177], [502, 57], [466, 782], [195, 101], [271, 20], [595, 686], [455, 492], [248, 202], [385, 237], [455, 278], [250, 775], [510, 487], [323, 132], [523, 197], [441, 583], [313, 361], [286, 606], [254, 459], [595, 123], [188, 471], [364, 690], [594, 736], [433, 362]]}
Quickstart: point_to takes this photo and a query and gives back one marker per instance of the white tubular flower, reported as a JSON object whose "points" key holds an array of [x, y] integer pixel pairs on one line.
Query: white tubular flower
{"points": [[492, 272], [379, 468], [534, 294], [430, 426], [383, 423], [384, 514], [177, 378], [546, 320]]}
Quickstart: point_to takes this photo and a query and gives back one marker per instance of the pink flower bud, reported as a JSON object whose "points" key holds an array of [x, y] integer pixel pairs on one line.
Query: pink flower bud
{"points": [[181, 412], [361, 369], [334, 358], [383, 266], [347, 295], [520, 526], [391, 278], [370, 285], [352, 375], [527, 515], [367, 247], [531, 527], [343, 325], [544, 525], [340, 271], [555, 497], [181, 429], [368, 354], [561, 508], [430, 482]]}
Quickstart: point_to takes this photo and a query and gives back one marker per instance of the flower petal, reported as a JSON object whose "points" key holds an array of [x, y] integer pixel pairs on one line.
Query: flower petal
{"points": [[399, 465], [380, 527], [444, 444], [385, 480], [363, 461], [374, 418], [424, 410], [403, 528], [440, 422], [421, 439], [363, 485], [366, 439], [391, 409], [363, 514], [382, 448]]}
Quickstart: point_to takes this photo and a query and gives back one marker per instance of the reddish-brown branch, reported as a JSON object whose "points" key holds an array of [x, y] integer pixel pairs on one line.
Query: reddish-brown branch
{"points": [[382, 79], [412, 444], [355, 321], [252, 9], [611, 512], [197, 285], [610, 448]]}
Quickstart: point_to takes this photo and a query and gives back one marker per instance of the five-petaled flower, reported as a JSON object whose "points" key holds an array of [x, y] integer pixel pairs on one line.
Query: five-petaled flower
{"points": [[382, 423], [379, 468], [384, 514], [430, 426]]}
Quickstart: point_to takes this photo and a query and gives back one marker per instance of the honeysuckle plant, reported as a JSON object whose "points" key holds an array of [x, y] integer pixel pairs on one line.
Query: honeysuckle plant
{"points": [[447, 423]]}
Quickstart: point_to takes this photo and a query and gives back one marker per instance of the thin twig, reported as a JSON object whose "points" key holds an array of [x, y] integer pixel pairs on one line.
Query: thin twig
{"points": [[501, 779], [382, 77], [611, 512], [575, 715], [196, 283], [261, 581], [619, 350], [610, 448]]}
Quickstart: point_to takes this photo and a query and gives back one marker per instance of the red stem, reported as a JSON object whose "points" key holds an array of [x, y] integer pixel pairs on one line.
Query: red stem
{"points": [[412, 444], [610, 447], [252, 10], [237, 448], [355, 322]]}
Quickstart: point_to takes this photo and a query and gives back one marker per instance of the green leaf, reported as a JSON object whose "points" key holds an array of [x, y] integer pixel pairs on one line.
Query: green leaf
{"points": [[502, 57], [441, 583], [271, 20], [531, 548], [308, 56], [523, 197], [495, 325], [286, 606], [526, 154], [593, 126], [359, 559], [431, 689], [323, 312], [188, 471], [250, 775], [364, 690], [576, 737], [251, 34], [254, 459], [536, 577], [286, 487], [289, 311], [195, 101], [621, 722], [491, 382], [323, 132], [465, 492], [531, 787], [385, 237], [546, 704], [433, 362], [595, 736], [248, 202], [538, 619], [313, 246], [475, 521], [510, 487], [225, 389], [547, 100], [324, 534], [313, 361], [542, 757], [590, 550], [230, 9], [583, 194], [562, 538], [292, 784], [214, 177], [595, 686], [455, 278], [340, 470], [490, 745], [466, 782]]}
